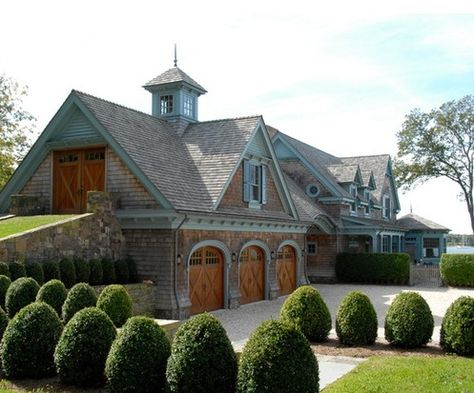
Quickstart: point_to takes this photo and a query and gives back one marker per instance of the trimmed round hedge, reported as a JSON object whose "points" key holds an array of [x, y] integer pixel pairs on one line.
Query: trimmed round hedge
{"points": [[457, 329], [202, 358], [83, 347], [17, 270], [96, 273], [277, 359], [80, 296], [35, 271], [137, 360], [68, 272], [115, 301], [20, 293], [83, 270], [356, 320], [3, 322], [409, 322], [29, 341], [4, 285], [51, 271], [108, 271], [306, 310], [121, 271], [457, 269], [53, 293], [4, 270]]}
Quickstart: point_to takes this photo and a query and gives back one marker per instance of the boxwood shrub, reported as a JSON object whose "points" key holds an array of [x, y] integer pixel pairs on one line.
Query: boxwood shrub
{"points": [[306, 310], [17, 270], [4, 284], [457, 328], [20, 293], [137, 360], [4, 270], [96, 273], [115, 301], [356, 320], [83, 270], [409, 322], [28, 344], [80, 296], [53, 293], [121, 271], [457, 270], [373, 268], [68, 272], [108, 271], [51, 271], [278, 359], [202, 358], [83, 347], [3, 322], [35, 271]]}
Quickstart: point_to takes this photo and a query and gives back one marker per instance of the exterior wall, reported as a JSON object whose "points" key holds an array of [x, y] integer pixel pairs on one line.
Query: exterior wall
{"points": [[125, 186], [142, 295], [415, 247], [356, 244], [40, 185], [321, 267]]}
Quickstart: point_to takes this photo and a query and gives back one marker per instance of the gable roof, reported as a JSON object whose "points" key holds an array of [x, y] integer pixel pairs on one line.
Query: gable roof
{"points": [[174, 75], [415, 222]]}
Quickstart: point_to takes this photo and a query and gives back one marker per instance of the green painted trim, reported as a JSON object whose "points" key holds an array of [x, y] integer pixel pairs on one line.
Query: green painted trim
{"points": [[75, 143]]}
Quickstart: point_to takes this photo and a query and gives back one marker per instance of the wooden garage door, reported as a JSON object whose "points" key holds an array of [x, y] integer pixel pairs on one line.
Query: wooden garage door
{"points": [[252, 275], [206, 283], [75, 173], [286, 270]]}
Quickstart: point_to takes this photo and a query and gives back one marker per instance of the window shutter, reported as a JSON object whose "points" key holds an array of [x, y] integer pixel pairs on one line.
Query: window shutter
{"points": [[246, 181], [264, 184]]}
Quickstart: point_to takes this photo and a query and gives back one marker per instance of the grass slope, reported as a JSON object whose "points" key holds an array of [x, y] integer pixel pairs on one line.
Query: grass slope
{"points": [[408, 374], [14, 225]]}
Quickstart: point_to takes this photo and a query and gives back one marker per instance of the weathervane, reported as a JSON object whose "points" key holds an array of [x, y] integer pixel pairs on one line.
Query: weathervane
{"points": [[175, 57]]}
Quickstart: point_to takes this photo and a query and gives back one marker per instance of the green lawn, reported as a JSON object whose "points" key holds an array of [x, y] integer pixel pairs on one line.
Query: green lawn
{"points": [[14, 225], [408, 374]]}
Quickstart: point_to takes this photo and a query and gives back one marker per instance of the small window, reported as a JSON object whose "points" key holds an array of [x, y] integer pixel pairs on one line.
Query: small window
{"points": [[367, 198], [387, 207], [312, 190], [312, 248], [166, 104], [386, 243], [430, 247], [255, 183], [353, 192], [188, 105]]}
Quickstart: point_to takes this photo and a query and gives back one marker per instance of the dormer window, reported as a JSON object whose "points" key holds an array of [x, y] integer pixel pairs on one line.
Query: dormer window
{"points": [[353, 192], [367, 198], [188, 105], [166, 104], [387, 207], [254, 181]]}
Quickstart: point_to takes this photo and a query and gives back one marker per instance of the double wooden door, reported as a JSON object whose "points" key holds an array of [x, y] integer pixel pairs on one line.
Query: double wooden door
{"points": [[252, 275], [75, 172], [286, 270]]}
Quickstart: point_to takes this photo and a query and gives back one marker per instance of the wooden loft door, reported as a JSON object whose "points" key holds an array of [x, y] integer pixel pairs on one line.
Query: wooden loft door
{"points": [[75, 172]]}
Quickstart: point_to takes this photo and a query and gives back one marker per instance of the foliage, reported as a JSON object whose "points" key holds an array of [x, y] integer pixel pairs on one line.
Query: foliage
{"points": [[51, 271], [306, 310], [15, 124], [4, 284], [121, 271], [96, 275], [439, 143], [3, 322], [53, 293], [28, 344], [68, 272], [277, 359], [4, 271], [407, 374], [137, 360], [202, 358], [17, 270], [409, 322], [35, 271], [132, 270], [356, 320], [457, 329], [115, 301], [457, 269], [80, 296], [373, 268], [83, 347], [108, 271], [20, 293], [83, 270]]}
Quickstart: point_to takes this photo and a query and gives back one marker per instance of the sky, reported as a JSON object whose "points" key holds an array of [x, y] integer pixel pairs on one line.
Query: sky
{"points": [[340, 77]]}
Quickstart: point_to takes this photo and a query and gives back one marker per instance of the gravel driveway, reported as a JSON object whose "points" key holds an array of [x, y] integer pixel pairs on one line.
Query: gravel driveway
{"points": [[241, 322]]}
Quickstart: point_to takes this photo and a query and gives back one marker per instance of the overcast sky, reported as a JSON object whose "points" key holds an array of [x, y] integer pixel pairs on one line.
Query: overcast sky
{"points": [[339, 77]]}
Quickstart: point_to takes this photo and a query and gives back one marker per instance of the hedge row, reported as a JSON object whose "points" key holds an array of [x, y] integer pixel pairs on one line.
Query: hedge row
{"points": [[373, 268], [70, 272], [457, 269]]}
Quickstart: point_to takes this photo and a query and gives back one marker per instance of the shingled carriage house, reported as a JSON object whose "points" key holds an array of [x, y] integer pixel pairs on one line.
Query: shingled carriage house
{"points": [[215, 213]]}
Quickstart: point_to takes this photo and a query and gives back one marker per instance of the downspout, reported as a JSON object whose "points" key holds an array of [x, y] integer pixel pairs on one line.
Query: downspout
{"points": [[175, 270]]}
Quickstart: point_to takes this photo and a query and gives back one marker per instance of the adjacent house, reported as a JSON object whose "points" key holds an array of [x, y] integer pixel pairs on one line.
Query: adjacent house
{"points": [[216, 213]]}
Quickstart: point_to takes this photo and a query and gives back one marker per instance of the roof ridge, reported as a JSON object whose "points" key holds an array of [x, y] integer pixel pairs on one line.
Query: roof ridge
{"points": [[368, 155], [230, 118]]}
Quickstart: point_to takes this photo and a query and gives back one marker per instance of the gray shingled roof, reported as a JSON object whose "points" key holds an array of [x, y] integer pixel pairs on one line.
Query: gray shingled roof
{"points": [[173, 75], [366, 173], [190, 171], [416, 223], [372, 222], [343, 173]]}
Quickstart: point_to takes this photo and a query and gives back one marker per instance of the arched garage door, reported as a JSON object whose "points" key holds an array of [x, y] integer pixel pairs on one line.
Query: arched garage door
{"points": [[252, 275], [206, 280], [286, 270]]}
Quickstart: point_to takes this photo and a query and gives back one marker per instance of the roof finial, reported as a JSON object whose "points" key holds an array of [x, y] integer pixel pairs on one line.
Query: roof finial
{"points": [[411, 208], [175, 57]]}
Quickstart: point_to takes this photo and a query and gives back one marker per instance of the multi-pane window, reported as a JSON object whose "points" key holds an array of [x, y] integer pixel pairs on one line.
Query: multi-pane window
{"points": [[386, 243], [312, 248], [430, 247], [254, 182], [166, 104], [387, 207], [353, 192], [367, 198], [188, 105]]}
